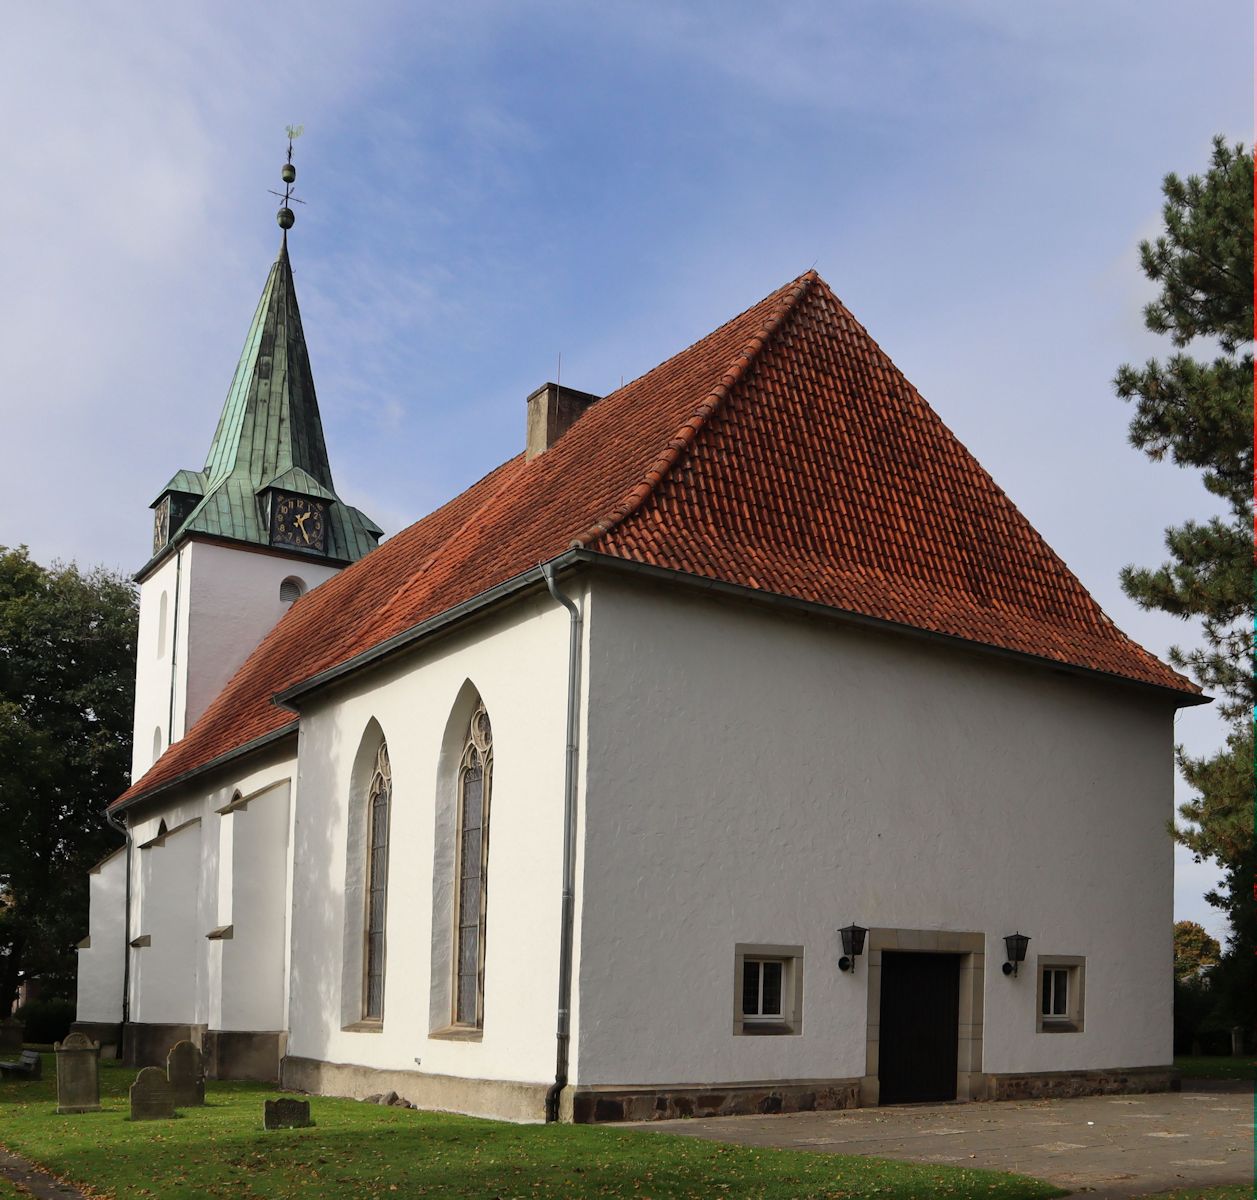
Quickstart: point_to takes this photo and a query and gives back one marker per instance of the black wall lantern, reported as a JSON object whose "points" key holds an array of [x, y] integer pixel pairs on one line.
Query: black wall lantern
{"points": [[1015, 946], [852, 946]]}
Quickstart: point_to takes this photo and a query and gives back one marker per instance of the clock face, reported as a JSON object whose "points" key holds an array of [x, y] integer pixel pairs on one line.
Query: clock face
{"points": [[298, 521], [161, 524]]}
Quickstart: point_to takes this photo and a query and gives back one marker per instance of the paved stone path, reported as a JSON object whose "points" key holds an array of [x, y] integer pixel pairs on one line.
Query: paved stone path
{"points": [[34, 1180], [1111, 1146]]}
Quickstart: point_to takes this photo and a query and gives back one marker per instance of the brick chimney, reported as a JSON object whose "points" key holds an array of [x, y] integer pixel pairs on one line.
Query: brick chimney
{"points": [[552, 411]]}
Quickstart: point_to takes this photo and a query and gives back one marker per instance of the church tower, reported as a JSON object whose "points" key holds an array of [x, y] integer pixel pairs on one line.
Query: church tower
{"points": [[235, 543]]}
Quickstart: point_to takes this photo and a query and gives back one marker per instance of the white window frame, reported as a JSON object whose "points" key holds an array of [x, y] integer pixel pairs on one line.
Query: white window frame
{"points": [[790, 1019], [1071, 1020], [760, 1015]]}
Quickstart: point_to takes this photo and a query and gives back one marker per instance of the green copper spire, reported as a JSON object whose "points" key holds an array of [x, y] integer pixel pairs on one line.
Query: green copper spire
{"points": [[269, 441], [270, 421]]}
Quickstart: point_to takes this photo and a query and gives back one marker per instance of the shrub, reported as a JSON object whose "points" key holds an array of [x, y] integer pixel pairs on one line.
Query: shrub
{"points": [[46, 1021]]}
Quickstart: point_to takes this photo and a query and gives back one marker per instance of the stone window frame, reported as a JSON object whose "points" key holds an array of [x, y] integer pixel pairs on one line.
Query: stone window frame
{"points": [[1073, 1020], [791, 989], [379, 811], [971, 947], [477, 752]]}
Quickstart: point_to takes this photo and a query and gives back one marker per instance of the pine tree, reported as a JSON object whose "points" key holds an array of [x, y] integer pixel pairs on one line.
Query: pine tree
{"points": [[1200, 414]]}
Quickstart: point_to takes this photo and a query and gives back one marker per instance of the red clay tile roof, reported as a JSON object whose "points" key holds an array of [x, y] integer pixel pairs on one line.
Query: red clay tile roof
{"points": [[783, 452]]}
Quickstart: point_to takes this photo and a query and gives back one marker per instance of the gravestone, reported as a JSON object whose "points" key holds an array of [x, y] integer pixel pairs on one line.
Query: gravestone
{"points": [[185, 1070], [286, 1113], [78, 1074], [10, 1038], [152, 1098]]}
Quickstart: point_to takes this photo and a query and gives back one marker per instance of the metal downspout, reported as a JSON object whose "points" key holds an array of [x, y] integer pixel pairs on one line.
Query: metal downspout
{"points": [[563, 1031], [125, 830]]}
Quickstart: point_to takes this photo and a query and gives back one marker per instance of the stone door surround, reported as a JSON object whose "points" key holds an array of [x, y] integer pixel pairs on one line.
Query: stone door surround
{"points": [[971, 947]]}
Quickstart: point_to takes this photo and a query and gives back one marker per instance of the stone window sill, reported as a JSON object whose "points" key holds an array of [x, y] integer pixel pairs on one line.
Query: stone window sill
{"points": [[458, 1033], [756, 1029], [1061, 1027], [363, 1027]]}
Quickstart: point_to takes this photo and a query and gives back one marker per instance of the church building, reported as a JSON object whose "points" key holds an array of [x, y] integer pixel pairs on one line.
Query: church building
{"points": [[737, 746]]}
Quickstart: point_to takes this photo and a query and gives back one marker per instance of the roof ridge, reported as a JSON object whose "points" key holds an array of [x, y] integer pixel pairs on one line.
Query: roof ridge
{"points": [[684, 437]]}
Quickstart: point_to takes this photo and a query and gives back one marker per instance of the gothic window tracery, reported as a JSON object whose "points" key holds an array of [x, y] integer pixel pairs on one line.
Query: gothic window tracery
{"points": [[475, 777], [379, 795]]}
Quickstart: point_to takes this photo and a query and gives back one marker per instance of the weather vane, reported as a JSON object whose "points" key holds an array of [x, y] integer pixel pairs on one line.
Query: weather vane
{"points": [[286, 217]]}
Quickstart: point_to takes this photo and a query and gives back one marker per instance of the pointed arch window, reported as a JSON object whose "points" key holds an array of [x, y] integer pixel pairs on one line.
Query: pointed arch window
{"points": [[379, 795], [475, 778]]}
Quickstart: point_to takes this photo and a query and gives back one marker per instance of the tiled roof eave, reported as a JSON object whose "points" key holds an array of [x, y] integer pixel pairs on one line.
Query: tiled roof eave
{"points": [[125, 801], [476, 606], [1186, 697]]}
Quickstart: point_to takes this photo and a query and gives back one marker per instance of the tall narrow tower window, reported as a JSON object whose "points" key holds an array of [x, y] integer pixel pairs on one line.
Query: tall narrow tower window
{"points": [[378, 797], [162, 605], [475, 778]]}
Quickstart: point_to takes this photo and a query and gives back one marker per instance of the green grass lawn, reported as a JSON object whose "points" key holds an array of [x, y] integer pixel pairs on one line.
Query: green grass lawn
{"points": [[359, 1151], [1206, 1066]]}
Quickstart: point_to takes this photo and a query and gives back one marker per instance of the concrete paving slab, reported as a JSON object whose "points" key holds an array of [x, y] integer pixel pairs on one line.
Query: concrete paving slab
{"points": [[1107, 1146]]}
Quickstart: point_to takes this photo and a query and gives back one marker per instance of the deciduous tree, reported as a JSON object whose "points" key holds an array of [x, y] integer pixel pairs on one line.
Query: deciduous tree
{"points": [[67, 679], [1194, 949]]}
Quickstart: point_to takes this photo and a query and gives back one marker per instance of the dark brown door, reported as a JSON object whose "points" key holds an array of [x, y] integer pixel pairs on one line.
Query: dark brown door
{"points": [[917, 1037]]}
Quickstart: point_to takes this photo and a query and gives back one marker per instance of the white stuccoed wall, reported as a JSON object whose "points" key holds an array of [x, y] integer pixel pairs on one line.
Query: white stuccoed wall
{"points": [[753, 777], [100, 963], [253, 960], [233, 604], [226, 601], [519, 664], [185, 888], [168, 974], [153, 665]]}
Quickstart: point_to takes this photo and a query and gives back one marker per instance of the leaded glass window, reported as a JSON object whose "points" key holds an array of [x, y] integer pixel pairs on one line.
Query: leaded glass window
{"points": [[378, 796], [475, 776]]}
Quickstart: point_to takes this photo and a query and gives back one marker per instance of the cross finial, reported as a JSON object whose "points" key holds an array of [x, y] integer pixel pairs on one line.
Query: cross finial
{"points": [[286, 217]]}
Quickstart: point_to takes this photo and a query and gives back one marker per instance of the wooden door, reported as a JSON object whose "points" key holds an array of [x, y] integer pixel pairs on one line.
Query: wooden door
{"points": [[917, 1035]]}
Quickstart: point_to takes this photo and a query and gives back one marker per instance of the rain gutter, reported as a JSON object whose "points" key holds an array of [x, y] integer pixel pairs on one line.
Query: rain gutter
{"points": [[791, 604]]}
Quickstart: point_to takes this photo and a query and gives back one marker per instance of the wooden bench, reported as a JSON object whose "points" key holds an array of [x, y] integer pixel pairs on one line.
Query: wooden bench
{"points": [[28, 1066]]}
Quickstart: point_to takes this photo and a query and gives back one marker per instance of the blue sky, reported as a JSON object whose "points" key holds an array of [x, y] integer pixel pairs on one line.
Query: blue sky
{"points": [[493, 185]]}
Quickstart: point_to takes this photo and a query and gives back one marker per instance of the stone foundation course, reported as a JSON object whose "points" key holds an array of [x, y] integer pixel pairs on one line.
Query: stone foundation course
{"points": [[596, 1105], [1061, 1085]]}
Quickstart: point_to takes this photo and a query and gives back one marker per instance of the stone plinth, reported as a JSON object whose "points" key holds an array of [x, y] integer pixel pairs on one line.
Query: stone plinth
{"points": [[78, 1074]]}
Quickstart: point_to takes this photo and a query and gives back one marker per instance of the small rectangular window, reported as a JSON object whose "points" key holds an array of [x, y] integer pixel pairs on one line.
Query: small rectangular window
{"points": [[761, 989], [1060, 994], [769, 989]]}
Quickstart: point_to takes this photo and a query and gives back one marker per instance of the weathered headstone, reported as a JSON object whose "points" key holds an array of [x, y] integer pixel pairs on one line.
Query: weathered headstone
{"points": [[152, 1097], [186, 1072], [286, 1113], [78, 1074], [10, 1038]]}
